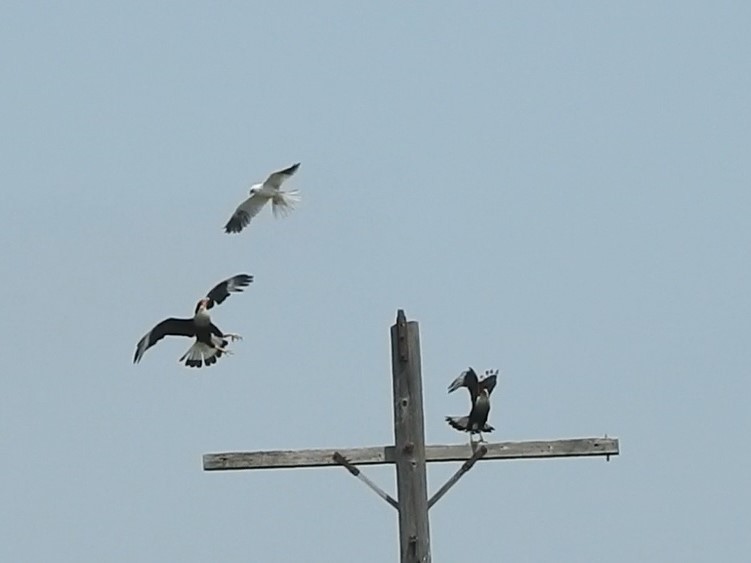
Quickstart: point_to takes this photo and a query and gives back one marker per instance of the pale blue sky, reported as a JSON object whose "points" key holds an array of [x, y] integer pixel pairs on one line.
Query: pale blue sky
{"points": [[556, 189]]}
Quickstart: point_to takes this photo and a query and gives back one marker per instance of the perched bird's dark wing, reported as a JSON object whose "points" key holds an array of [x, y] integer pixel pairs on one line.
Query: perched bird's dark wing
{"points": [[168, 327], [276, 179], [489, 382], [221, 291], [466, 379]]}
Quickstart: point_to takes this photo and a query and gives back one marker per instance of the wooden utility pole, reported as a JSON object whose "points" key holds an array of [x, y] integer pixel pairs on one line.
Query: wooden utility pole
{"points": [[409, 439], [409, 453]]}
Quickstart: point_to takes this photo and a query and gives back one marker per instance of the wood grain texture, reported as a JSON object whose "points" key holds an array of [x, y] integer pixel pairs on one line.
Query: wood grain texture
{"points": [[378, 455], [409, 442]]}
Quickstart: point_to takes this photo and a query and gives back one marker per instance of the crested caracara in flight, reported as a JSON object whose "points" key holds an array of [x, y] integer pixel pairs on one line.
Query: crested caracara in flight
{"points": [[210, 342], [479, 393], [281, 202]]}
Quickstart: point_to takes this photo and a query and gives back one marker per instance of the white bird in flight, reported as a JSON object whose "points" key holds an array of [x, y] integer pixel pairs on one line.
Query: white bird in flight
{"points": [[281, 202]]}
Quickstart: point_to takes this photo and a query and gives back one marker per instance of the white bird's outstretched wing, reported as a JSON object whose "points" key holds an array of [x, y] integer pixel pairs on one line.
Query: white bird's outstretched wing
{"points": [[276, 179], [245, 212]]}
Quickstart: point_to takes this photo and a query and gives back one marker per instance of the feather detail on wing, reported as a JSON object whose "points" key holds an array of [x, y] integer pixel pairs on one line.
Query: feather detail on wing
{"points": [[490, 380], [168, 327], [468, 379], [245, 212], [276, 179], [221, 291]]}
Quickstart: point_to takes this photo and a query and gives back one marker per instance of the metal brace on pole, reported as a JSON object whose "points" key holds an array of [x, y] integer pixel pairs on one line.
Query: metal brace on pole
{"points": [[466, 466], [341, 460]]}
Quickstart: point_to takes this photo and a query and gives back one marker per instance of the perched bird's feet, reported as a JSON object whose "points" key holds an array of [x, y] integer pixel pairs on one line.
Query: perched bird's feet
{"points": [[233, 337]]}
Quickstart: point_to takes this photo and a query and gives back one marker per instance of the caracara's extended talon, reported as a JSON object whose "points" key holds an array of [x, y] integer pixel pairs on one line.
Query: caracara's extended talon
{"points": [[233, 337]]}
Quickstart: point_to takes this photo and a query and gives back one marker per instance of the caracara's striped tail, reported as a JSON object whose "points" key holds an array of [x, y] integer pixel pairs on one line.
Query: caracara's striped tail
{"points": [[201, 354]]}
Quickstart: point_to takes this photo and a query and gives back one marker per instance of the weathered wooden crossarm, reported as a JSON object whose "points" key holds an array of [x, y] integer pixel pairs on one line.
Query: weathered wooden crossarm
{"points": [[385, 454]]}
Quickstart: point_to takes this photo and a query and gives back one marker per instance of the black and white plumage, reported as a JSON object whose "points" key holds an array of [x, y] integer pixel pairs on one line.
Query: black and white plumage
{"points": [[479, 393], [211, 343], [281, 202]]}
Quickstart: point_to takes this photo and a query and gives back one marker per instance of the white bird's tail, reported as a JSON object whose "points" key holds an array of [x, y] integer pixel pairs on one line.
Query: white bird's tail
{"points": [[282, 203]]}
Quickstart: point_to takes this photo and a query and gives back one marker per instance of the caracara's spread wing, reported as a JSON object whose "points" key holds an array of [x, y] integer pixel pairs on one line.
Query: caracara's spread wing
{"points": [[168, 327], [221, 291], [466, 379], [276, 179], [245, 212], [490, 380]]}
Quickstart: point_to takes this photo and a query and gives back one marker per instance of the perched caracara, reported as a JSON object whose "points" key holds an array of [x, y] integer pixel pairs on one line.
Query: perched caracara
{"points": [[479, 393], [281, 202], [210, 342]]}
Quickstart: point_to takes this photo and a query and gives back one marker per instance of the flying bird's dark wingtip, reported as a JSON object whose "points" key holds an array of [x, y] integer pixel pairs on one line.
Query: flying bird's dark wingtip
{"points": [[239, 220], [242, 281], [292, 169]]}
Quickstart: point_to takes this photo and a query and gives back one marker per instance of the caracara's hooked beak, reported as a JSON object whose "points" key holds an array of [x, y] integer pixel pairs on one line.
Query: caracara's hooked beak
{"points": [[202, 304]]}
